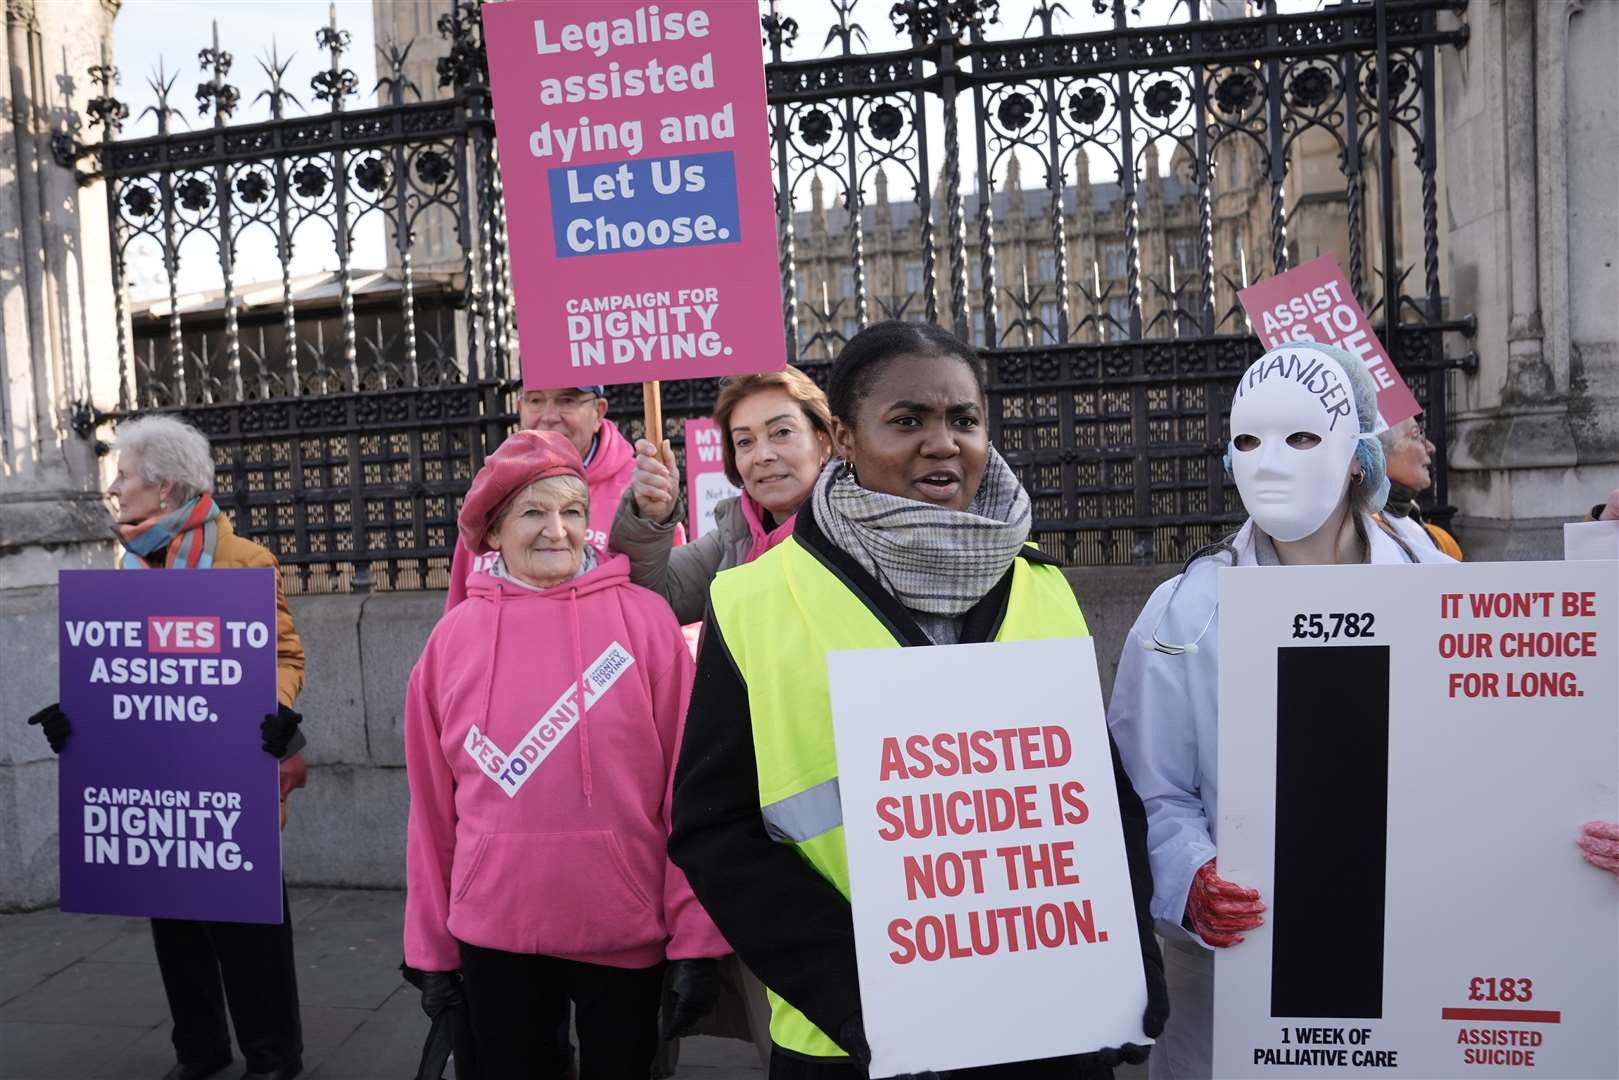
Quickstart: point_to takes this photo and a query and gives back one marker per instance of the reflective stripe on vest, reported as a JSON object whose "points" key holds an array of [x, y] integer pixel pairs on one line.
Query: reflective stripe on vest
{"points": [[780, 615], [804, 816]]}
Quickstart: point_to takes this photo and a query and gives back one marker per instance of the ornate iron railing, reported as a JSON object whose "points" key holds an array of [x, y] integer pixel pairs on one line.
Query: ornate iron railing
{"points": [[354, 490], [349, 412], [209, 191]]}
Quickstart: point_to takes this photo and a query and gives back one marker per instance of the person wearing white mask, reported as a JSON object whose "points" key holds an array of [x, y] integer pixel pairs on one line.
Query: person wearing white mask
{"points": [[1312, 475]]}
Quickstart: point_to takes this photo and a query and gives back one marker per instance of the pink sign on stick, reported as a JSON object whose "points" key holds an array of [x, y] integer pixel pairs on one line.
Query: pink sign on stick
{"points": [[1313, 302], [635, 155], [706, 483]]}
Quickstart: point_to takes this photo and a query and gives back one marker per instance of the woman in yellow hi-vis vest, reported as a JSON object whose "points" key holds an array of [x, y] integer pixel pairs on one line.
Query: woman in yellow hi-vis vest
{"points": [[915, 535]]}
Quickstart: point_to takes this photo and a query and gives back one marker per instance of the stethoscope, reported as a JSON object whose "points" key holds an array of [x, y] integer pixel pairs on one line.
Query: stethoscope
{"points": [[1152, 644]]}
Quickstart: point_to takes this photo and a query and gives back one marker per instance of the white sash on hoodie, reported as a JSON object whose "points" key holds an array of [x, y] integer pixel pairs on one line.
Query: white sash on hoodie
{"points": [[511, 771]]}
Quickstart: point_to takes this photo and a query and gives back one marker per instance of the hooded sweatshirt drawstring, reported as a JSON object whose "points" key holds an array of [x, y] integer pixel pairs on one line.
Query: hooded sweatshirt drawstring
{"points": [[579, 680], [584, 715], [494, 653]]}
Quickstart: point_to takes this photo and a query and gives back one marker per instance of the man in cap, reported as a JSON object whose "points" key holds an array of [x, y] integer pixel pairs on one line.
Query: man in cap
{"points": [[580, 413]]}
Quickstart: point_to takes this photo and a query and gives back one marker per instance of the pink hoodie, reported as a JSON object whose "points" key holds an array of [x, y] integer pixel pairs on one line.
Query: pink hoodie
{"points": [[530, 832], [611, 468]]}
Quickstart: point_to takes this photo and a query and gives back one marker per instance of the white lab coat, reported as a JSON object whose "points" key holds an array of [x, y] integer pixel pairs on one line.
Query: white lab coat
{"points": [[1164, 718]]}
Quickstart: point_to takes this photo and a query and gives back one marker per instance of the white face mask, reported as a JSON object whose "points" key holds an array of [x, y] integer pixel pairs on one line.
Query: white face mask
{"points": [[1294, 429]]}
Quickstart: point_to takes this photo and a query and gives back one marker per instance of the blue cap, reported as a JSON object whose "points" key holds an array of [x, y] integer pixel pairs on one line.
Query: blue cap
{"points": [[599, 391]]}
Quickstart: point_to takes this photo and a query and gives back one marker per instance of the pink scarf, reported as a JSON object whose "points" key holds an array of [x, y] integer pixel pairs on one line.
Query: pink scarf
{"points": [[763, 541]]}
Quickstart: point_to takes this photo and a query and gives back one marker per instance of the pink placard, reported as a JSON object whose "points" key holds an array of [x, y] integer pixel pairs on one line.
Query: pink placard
{"points": [[635, 154], [1313, 302], [706, 482]]}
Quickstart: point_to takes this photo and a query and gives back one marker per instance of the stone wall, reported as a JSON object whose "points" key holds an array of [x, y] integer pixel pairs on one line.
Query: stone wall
{"points": [[347, 827], [1531, 139], [27, 766], [57, 350]]}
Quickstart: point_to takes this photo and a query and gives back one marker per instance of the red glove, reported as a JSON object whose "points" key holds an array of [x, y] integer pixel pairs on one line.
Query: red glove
{"points": [[294, 773], [1599, 842], [1219, 910]]}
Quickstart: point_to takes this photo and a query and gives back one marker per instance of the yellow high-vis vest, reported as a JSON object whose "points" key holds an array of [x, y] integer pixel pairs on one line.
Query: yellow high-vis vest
{"points": [[780, 615]]}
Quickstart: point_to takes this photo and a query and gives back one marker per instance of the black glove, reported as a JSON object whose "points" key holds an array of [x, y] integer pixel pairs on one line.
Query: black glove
{"points": [[278, 729], [53, 722], [1157, 1014], [1111, 1057], [694, 988], [1152, 1023], [441, 990], [852, 1037], [1114, 1056]]}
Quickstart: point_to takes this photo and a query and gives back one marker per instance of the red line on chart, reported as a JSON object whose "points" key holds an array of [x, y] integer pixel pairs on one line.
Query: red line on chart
{"points": [[1522, 1016]]}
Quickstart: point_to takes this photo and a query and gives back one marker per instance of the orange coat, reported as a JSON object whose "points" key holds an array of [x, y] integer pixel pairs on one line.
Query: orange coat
{"points": [[236, 552], [231, 552], [1444, 541]]}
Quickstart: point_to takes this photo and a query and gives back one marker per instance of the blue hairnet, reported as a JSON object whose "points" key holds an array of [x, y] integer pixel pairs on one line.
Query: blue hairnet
{"points": [[1369, 450]]}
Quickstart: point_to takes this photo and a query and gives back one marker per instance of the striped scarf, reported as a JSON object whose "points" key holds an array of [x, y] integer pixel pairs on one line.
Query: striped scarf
{"points": [[188, 534], [931, 559]]}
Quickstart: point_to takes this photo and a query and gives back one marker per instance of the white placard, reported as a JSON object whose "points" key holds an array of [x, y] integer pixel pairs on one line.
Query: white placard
{"points": [[712, 489], [1032, 855], [1584, 540], [706, 483], [1500, 945]]}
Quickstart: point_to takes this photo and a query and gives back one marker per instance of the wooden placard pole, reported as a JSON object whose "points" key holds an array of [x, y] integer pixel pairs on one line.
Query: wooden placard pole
{"points": [[652, 415]]}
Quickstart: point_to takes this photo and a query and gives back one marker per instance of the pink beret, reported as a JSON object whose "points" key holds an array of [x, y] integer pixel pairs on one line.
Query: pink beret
{"points": [[525, 457]]}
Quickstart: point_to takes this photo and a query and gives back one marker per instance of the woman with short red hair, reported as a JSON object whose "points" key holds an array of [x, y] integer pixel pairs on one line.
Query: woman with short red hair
{"points": [[777, 436]]}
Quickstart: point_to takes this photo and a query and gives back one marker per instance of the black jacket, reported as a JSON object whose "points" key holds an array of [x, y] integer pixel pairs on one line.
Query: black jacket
{"points": [[786, 922]]}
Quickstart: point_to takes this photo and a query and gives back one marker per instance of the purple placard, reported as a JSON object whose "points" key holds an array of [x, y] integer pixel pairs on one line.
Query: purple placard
{"points": [[169, 805]]}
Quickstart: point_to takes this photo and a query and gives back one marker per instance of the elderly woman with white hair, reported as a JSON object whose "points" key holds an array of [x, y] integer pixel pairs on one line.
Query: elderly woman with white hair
{"points": [[541, 728], [1410, 465], [167, 518]]}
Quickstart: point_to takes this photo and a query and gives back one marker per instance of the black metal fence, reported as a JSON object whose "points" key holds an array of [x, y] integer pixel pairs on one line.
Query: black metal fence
{"points": [[345, 440]]}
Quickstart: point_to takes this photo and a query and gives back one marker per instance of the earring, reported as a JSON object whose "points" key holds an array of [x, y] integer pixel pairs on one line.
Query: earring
{"points": [[1359, 478], [162, 503]]}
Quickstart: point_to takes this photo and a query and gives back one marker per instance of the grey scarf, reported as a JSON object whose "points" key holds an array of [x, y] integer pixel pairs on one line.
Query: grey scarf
{"points": [[935, 561]]}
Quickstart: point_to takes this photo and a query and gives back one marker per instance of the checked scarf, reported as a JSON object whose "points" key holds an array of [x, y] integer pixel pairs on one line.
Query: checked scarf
{"points": [[931, 559], [185, 537]]}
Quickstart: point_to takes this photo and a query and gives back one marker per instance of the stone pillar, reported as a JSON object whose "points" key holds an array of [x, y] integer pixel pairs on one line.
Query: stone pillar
{"points": [[411, 27], [1532, 154], [414, 23], [58, 355]]}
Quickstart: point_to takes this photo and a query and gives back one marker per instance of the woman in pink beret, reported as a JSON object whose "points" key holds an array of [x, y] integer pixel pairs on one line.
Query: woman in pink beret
{"points": [[541, 728]]}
